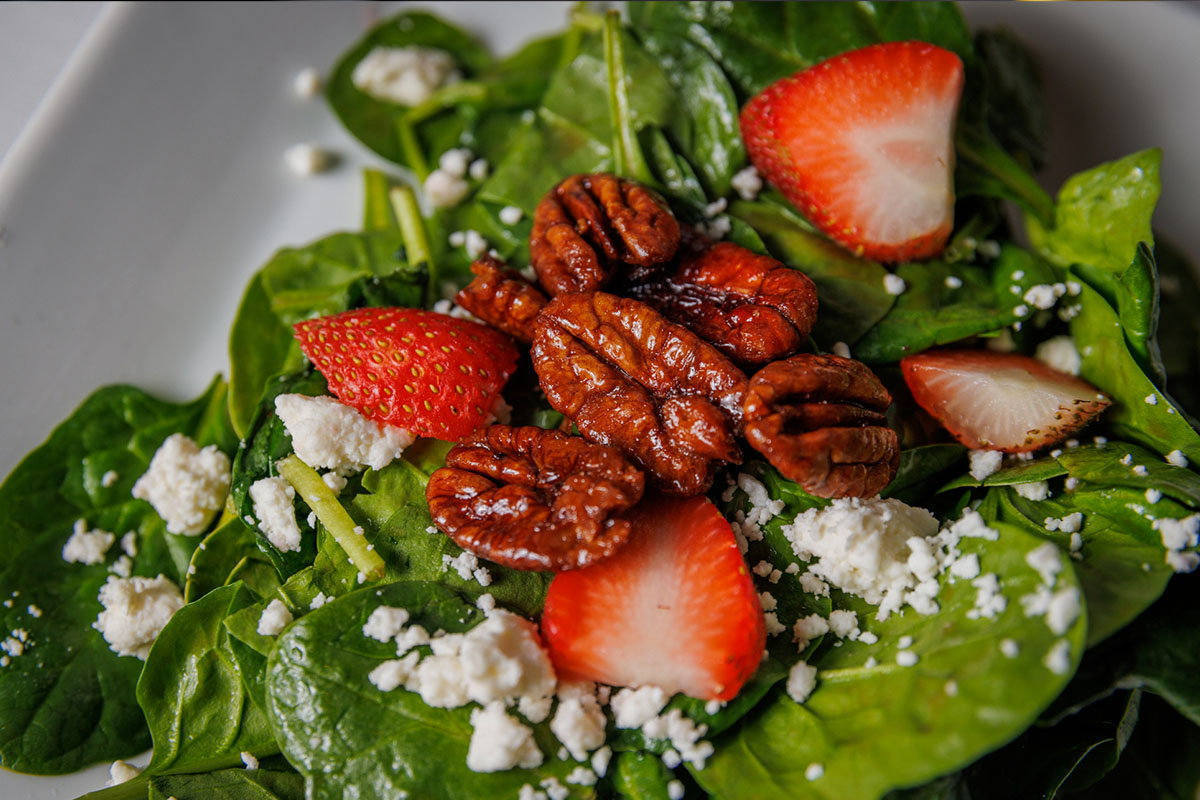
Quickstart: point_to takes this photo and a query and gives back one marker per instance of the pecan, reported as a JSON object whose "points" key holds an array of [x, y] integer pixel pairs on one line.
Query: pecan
{"points": [[751, 307], [589, 227], [630, 378], [530, 498], [820, 421], [502, 298]]}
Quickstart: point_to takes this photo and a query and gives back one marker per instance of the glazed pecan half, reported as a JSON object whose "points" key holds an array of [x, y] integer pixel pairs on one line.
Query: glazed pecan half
{"points": [[535, 499], [502, 298], [820, 421], [590, 227], [631, 379], [751, 307]]}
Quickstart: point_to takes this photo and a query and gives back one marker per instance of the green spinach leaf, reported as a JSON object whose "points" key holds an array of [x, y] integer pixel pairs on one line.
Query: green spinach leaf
{"points": [[68, 700]]}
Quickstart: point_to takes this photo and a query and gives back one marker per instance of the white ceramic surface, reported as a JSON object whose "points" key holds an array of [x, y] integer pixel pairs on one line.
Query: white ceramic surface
{"points": [[150, 184]]}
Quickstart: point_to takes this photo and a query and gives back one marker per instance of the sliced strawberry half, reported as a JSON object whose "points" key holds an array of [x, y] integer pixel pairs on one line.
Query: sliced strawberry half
{"points": [[674, 608], [430, 374], [1000, 401], [863, 145]]}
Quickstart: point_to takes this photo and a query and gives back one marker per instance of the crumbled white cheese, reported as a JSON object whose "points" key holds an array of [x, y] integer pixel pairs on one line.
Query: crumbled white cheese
{"points": [[334, 481], [582, 776], [906, 658], [307, 158], [500, 742], [122, 772], [1068, 524], [33, 611], [862, 547], [511, 215], [844, 624], [953, 282], [135, 612], [866, 637], [840, 349], [894, 284], [249, 760], [989, 602], [1009, 648], [307, 83], [1153, 496], [1045, 561], [465, 564], [443, 190], [773, 626], [601, 759], [272, 499], [275, 617], [475, 244], [808, 628], [390, 674], [579, 721], [502, 657], [966, 567], [87, 546], [385, 623], [1065, 607], [454, 162], [1042, 296], [814, 771], [747, 183], [123, 567], [767, 601], [675, 790], [129, 544], [327, 434], [479, 169], [1176, 458], [633, 708], [802, 679], [811, 583], [405, 75], [684, 735], [716, 207], [318, 601], [1038, 490], [984, 463], [1058, 658], [109, 478], [186, 485]]}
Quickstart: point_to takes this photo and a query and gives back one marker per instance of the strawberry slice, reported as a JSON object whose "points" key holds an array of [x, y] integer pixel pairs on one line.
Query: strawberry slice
{"points": [[1000, 401], [863, 145], [430, 374], [674, 608]]}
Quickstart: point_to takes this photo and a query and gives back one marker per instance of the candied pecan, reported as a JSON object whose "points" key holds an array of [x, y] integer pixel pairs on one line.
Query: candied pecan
{"points": [[530, 498], [820, 421], [502, 298], [589, 227], [751, 307], [630, 378]]}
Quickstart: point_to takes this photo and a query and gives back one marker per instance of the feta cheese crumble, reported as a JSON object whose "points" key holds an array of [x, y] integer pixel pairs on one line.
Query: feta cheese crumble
{"points": [[308, 158], [135, 612], [444, 190], [327, 434], [109, 478], [1058, 657], [500, 742], [307, 83], [863, 547], [87, 546], [578, 722], [984, 463], [405, 75], [801, 680], [894, 284], [186, 485], [1038, 490], [1176, 458], [275, 617], [272, 499], [511, 215], [122, 772], [1059, 353], [747, 183], [249, 760], [633, 708]]}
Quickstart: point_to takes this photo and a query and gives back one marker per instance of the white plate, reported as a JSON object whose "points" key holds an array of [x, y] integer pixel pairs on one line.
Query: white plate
{"points": [[151, 185]]}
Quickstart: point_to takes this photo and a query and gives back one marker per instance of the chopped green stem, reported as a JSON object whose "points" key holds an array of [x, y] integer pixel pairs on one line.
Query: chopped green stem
{"points": [[455, 94], [324, 503], [416, 242], [377, 205], [628, 159], [992, 159], [411, 148]]}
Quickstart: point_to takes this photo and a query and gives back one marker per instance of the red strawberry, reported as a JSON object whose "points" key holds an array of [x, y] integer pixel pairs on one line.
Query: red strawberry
{"points": [[674, 608], [1000, 401], [863, 145], [427, 373]]}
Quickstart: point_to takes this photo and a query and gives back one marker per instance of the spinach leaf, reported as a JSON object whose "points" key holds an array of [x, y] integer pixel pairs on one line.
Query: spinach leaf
{"points": [[706, 128], [640, 776], [903, 721], [920, 468], [849, 289], [758, 43], [1179, 342], [340, 271], [1109, 365], [68, 701], [376, 122], [341, 732], [191, 690], [1161, 760], [267, 441], [1103, 214], [1014, 102], [228, 554], [230, 784]]}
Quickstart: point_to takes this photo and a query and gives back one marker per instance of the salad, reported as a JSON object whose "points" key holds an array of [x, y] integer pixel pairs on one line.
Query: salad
{"points": [[291, 587]]}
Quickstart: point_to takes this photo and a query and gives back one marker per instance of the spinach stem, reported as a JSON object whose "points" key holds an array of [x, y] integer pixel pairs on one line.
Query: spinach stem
{"points": [[377, 208], [324, 503], [411, 148], [628, 159], [412, 230]]}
